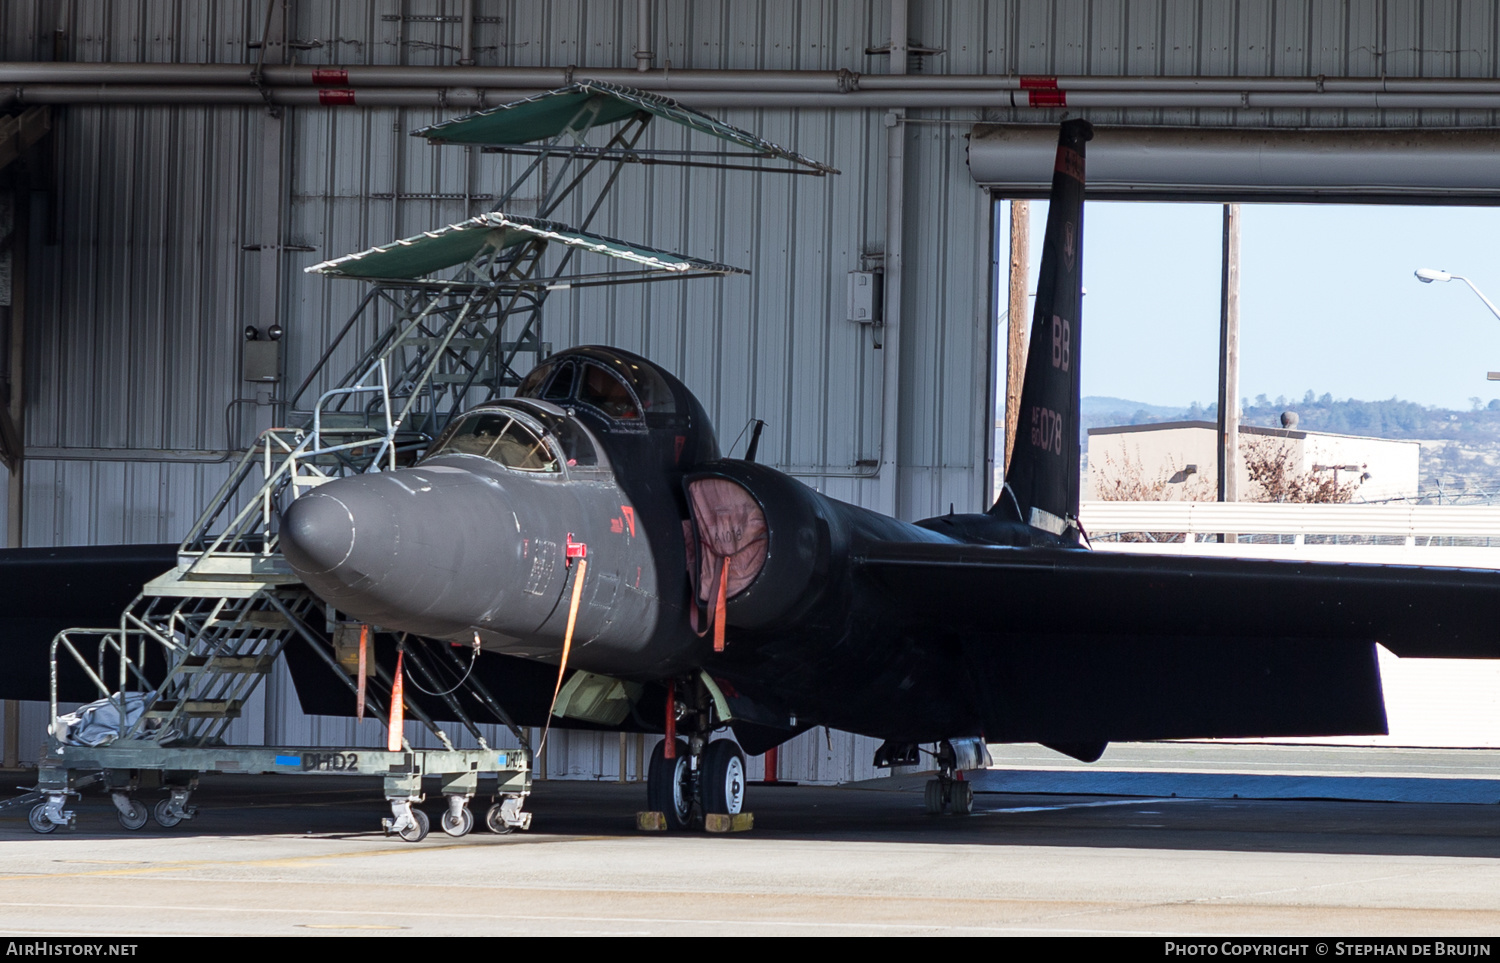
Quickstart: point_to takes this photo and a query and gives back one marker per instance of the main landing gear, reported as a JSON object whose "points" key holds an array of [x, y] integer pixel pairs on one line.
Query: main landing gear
{"points": [[701, 783], [948, 791]]}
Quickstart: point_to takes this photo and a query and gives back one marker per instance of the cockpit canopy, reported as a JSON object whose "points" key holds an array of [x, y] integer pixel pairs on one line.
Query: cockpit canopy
{"points": [[630, 394], [625, 400], [522, 435]]}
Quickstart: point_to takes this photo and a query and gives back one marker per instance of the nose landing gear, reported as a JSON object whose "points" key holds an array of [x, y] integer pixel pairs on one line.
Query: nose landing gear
{"points": [[702, 784], [669, 785]]}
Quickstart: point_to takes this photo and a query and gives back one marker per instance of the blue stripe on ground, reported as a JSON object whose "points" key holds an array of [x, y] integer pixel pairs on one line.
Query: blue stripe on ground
{"points": [[1205, 785]]}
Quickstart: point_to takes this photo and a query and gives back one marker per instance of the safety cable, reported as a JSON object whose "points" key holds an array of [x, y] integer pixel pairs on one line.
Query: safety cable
{"points": [[473, 659]]}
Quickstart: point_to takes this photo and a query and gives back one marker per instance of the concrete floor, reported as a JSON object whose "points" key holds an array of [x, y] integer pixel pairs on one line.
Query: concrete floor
{"points": [[288, 855]]}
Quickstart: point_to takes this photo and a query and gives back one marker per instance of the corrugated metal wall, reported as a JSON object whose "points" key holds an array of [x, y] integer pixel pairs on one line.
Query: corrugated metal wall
{"points": [[137, 308]]}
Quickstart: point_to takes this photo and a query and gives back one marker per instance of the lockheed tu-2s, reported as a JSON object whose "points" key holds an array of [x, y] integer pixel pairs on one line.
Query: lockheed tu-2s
{"points": [[706, 591]]}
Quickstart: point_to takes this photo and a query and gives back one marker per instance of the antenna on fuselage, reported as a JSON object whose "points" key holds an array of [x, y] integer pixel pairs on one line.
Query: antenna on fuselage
{"points": [[754, 440]]}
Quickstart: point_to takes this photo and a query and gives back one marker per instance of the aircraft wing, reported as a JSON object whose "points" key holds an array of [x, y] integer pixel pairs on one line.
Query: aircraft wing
{"points": [[1072, 646], [47, 590]]}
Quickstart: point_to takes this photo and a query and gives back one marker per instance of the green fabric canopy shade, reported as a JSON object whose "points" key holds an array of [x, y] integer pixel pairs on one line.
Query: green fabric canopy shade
{"points": [[456, 244], [545, 116]]}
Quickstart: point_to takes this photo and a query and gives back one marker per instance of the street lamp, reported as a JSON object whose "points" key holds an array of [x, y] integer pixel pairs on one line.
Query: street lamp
{"points": [[1428, 275]]}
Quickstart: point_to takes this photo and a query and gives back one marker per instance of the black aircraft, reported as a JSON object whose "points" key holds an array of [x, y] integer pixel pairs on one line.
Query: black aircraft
{"points": [[720, 591], [706, 591]]}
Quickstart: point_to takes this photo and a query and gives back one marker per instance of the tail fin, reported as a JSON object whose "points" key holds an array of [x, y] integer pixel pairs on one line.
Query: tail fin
{"points": [[1043, 475]]}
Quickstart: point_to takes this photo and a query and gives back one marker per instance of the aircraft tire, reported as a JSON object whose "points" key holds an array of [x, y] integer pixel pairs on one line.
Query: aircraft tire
{"points": [[723, 778], [962, 798], [669, 787], [932, 798]]}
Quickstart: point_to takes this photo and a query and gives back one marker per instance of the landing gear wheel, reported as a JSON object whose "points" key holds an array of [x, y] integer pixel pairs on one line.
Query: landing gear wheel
{"points": [[494, 818], [932, 798], [459, 826], [961, 798], [668, 785], [38, 819], [162, 813], [723, 778], [417, 833], [135, 818]]}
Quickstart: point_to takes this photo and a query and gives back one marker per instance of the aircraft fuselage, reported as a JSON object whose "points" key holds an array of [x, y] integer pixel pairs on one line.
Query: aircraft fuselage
{"points": [[474, 540]]}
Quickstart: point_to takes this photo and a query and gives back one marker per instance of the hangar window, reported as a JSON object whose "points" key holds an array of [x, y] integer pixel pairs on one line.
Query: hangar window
{"points": [[500, 438]]}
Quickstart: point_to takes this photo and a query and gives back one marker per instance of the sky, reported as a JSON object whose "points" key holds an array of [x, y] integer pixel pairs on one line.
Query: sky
{"points": [[1328, 301]]}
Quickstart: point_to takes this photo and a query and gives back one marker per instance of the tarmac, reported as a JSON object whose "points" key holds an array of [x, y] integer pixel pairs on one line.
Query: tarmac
{"points": [[1057, 850]]}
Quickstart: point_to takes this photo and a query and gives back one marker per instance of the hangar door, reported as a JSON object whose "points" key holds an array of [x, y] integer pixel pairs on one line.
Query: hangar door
{"points": [[1345, 165], [1437, 702]]}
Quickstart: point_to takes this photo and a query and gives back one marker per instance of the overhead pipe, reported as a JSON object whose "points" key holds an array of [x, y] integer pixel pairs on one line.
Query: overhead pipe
{"points": [[846, 82], [752, 96]]}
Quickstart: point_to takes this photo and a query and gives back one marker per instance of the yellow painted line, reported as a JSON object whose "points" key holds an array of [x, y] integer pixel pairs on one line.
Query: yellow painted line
{"points": [[282, 861]]}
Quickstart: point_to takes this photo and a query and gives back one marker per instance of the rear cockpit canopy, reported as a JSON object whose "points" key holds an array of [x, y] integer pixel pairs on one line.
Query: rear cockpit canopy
{"points": [[623, 394], [634, 396]]}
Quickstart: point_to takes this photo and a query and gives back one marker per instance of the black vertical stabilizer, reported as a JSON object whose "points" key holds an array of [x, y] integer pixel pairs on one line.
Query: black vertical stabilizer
{"points": [[1043, 473]]}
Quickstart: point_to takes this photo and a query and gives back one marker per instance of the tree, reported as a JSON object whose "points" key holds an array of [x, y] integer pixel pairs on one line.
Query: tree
{"points": [[1275, 476]]}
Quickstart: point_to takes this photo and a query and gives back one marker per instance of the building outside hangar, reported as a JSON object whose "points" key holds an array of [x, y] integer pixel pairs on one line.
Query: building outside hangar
{"points": [[1179, 460], [193, 159]]}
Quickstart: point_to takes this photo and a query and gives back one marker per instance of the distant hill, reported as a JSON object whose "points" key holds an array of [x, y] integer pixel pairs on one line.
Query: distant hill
{"points": [[1099, 405]]}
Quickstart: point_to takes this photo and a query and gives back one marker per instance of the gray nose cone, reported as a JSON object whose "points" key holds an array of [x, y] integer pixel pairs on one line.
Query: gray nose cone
{"points": [[317, 534]]}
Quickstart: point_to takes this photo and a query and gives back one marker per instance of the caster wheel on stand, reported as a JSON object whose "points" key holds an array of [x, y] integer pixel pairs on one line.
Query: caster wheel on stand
{"points": [[459, 826], [164, 816], [135, 817], [495, 820], [38, 820], [418, 832]]}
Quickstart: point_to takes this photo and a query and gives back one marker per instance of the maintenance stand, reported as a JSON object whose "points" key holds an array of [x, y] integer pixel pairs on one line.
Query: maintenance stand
{"points": [[438, 332]]}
